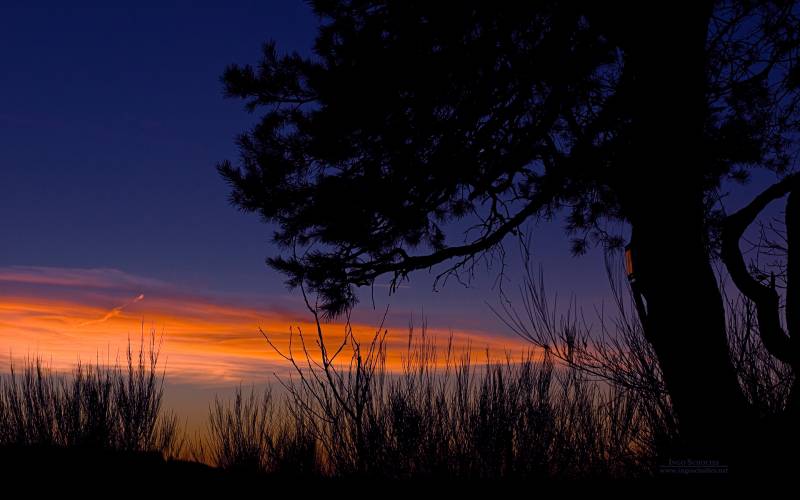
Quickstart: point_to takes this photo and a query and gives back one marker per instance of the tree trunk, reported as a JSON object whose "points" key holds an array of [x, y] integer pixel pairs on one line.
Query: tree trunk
{"points": [[686, 324], [662, 192]]}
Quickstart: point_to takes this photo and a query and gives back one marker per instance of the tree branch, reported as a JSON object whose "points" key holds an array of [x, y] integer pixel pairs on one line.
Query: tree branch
{"points": [[366, 272], [766, 299]]}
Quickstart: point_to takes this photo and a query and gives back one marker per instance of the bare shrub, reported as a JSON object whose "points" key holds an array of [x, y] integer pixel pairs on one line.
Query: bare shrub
{"points": [[446, 415], [251, 434], [95, 407]]}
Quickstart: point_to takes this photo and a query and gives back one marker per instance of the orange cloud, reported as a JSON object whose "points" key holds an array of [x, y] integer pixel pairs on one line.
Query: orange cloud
{"points": [[63, 315]]}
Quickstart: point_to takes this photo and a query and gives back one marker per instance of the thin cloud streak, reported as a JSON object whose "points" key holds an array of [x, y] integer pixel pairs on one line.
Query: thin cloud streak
{"points": [[207, 340], [114, 312]]}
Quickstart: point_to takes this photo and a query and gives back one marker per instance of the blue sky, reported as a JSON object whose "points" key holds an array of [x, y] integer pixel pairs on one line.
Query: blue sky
{"points": [[111, 123]]}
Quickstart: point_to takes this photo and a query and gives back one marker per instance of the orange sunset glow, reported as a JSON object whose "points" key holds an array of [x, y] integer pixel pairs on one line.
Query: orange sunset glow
{"points": [[66, 315]]}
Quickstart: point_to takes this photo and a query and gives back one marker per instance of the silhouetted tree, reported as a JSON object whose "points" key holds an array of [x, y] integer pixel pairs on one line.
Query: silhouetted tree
{"points": [[411, 115]]}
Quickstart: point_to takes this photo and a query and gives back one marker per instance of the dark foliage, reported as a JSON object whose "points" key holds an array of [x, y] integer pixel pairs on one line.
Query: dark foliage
{"points": [[411, 115]]}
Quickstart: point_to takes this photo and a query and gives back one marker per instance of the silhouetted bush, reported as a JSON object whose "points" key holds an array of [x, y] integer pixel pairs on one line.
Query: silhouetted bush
{"points": [[252, 434], [103, 408], [443, 415]]}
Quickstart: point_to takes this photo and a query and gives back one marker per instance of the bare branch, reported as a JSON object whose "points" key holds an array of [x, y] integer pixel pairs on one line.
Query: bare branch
{"points": [[766, 298]]}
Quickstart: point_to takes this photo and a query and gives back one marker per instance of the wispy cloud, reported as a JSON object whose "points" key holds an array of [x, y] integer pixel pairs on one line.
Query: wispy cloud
{"points": [[75, 277], [113, 312], [64, 315]]}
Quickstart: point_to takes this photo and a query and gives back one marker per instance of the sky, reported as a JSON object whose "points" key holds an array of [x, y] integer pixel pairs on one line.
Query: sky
{"points": [[114, 220]]}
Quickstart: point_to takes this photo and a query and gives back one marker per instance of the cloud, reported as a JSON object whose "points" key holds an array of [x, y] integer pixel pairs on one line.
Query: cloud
{"points": [[66, 314], [113, 312], [74, 277]]}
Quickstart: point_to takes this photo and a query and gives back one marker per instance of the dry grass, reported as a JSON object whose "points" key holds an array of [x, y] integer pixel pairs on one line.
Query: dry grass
{"points": [[105, 408], [444, 416]]}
